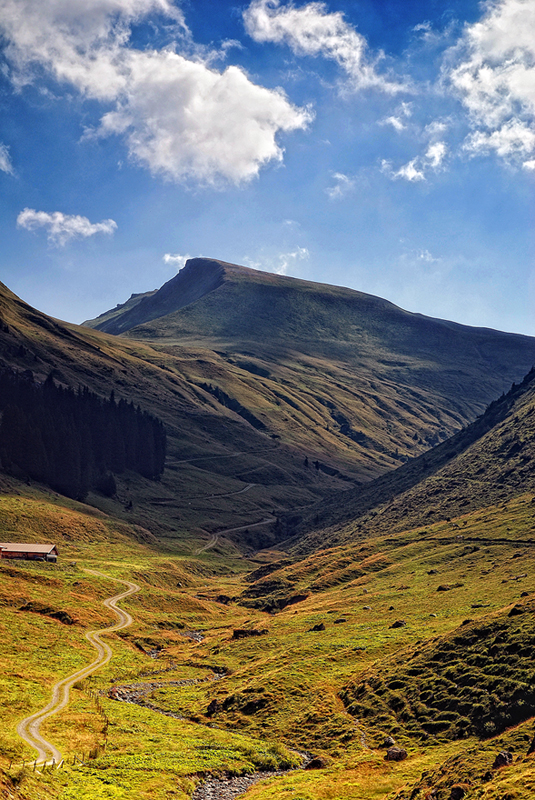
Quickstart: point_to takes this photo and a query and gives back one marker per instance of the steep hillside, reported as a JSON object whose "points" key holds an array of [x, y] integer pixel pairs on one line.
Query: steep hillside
{"points": [[488, 462], [275, 393], [221, 471], [345, 376]]}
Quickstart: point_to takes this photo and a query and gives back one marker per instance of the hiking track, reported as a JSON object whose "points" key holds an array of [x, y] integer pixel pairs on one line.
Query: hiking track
{"points": [[28, 729]]}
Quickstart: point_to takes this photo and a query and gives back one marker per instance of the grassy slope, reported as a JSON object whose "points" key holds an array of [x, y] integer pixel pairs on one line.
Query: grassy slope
{"points": [[290, 685], [341, 374], [213, 452], [458, 669]]}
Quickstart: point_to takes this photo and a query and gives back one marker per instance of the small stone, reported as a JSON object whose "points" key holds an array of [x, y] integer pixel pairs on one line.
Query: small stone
{"points": [[396, 754], [340, 620], [367, 608], [457, 793], [432, 615], [317, 763], [319, 627], [399, 623], [389, 742], [503, 759]]}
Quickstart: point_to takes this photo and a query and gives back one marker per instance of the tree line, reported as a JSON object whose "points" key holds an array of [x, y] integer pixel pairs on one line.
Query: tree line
{"points": [[74, 440]]}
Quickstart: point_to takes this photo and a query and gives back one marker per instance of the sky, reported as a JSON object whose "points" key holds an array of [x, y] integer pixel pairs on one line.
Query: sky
{"points": [[381, 145]]}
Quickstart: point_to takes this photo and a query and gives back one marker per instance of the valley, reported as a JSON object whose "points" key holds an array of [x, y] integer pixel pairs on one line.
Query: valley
{"points": [[338, 558]]}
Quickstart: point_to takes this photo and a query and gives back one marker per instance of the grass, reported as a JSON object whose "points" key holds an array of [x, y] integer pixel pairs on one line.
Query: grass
{"points": [[290, 688]]}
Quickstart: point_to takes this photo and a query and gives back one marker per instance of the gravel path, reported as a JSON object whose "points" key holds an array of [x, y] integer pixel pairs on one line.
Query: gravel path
{"points": [[28, 729]]}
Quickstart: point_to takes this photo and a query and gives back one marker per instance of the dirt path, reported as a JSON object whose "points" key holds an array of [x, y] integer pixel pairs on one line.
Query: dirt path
{"points": [[28, 729], [212, 543], [215, 538]]}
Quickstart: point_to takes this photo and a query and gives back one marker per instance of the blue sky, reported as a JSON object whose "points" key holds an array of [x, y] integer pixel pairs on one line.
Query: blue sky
{"points": [[380, 145]]}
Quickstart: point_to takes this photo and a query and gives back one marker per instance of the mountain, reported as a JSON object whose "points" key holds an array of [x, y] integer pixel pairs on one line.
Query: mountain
{"points": [[275, 393], [350, 379], [409, 618], [487, 463]]}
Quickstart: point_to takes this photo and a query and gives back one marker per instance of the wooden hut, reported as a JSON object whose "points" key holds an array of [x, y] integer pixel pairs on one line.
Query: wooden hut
{"points": [[30, 552]]}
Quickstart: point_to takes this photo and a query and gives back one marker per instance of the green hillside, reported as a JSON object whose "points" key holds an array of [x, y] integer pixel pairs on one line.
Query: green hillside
{"points": [[488, 462], [402, 608], [350, 380]]}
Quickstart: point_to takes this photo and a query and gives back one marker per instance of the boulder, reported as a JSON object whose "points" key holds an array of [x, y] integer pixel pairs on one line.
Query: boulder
{"points": [[396, 754], [319, 762], [457, 792], [389, 742], [399, 623], [503, 759], [245, 633], [319, 627]]}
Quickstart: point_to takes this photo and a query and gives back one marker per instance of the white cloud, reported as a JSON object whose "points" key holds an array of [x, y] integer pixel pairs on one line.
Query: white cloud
{"points": [[175, 259], [63, 227], [312, 30], [397, 120], [409, 172], [281, 263], [396, 123], [343, 186], [529, 165], [492, 70], [287, 259], [5, 160], [435, 154], [180, 117], [417, 169]]}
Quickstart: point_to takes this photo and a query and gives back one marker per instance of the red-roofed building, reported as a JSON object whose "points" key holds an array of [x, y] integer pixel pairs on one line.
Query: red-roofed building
{"points": [[31, 552]]}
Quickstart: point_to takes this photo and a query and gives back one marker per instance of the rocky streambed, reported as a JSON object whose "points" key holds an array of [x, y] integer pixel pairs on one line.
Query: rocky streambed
{"points": [[229, 788]]}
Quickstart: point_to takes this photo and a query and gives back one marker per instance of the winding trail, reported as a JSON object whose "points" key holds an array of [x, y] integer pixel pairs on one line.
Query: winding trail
{"points": [[28, 729], [215, 537]]}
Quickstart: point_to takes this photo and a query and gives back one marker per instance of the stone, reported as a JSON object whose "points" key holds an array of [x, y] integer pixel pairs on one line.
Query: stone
{"points": [[516, 610], [319, 762], [503, 759], [340, 620], [319, 627], [396, 754], [457, 792], [244, 633], [389, 742], [399, 623]]}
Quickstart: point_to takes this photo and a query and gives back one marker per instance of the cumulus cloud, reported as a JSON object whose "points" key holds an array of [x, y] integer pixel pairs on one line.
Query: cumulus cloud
{"points": [[492, 70], [179, 116], [175, 259], [5, 160], [312, 30], [63, 227]]}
